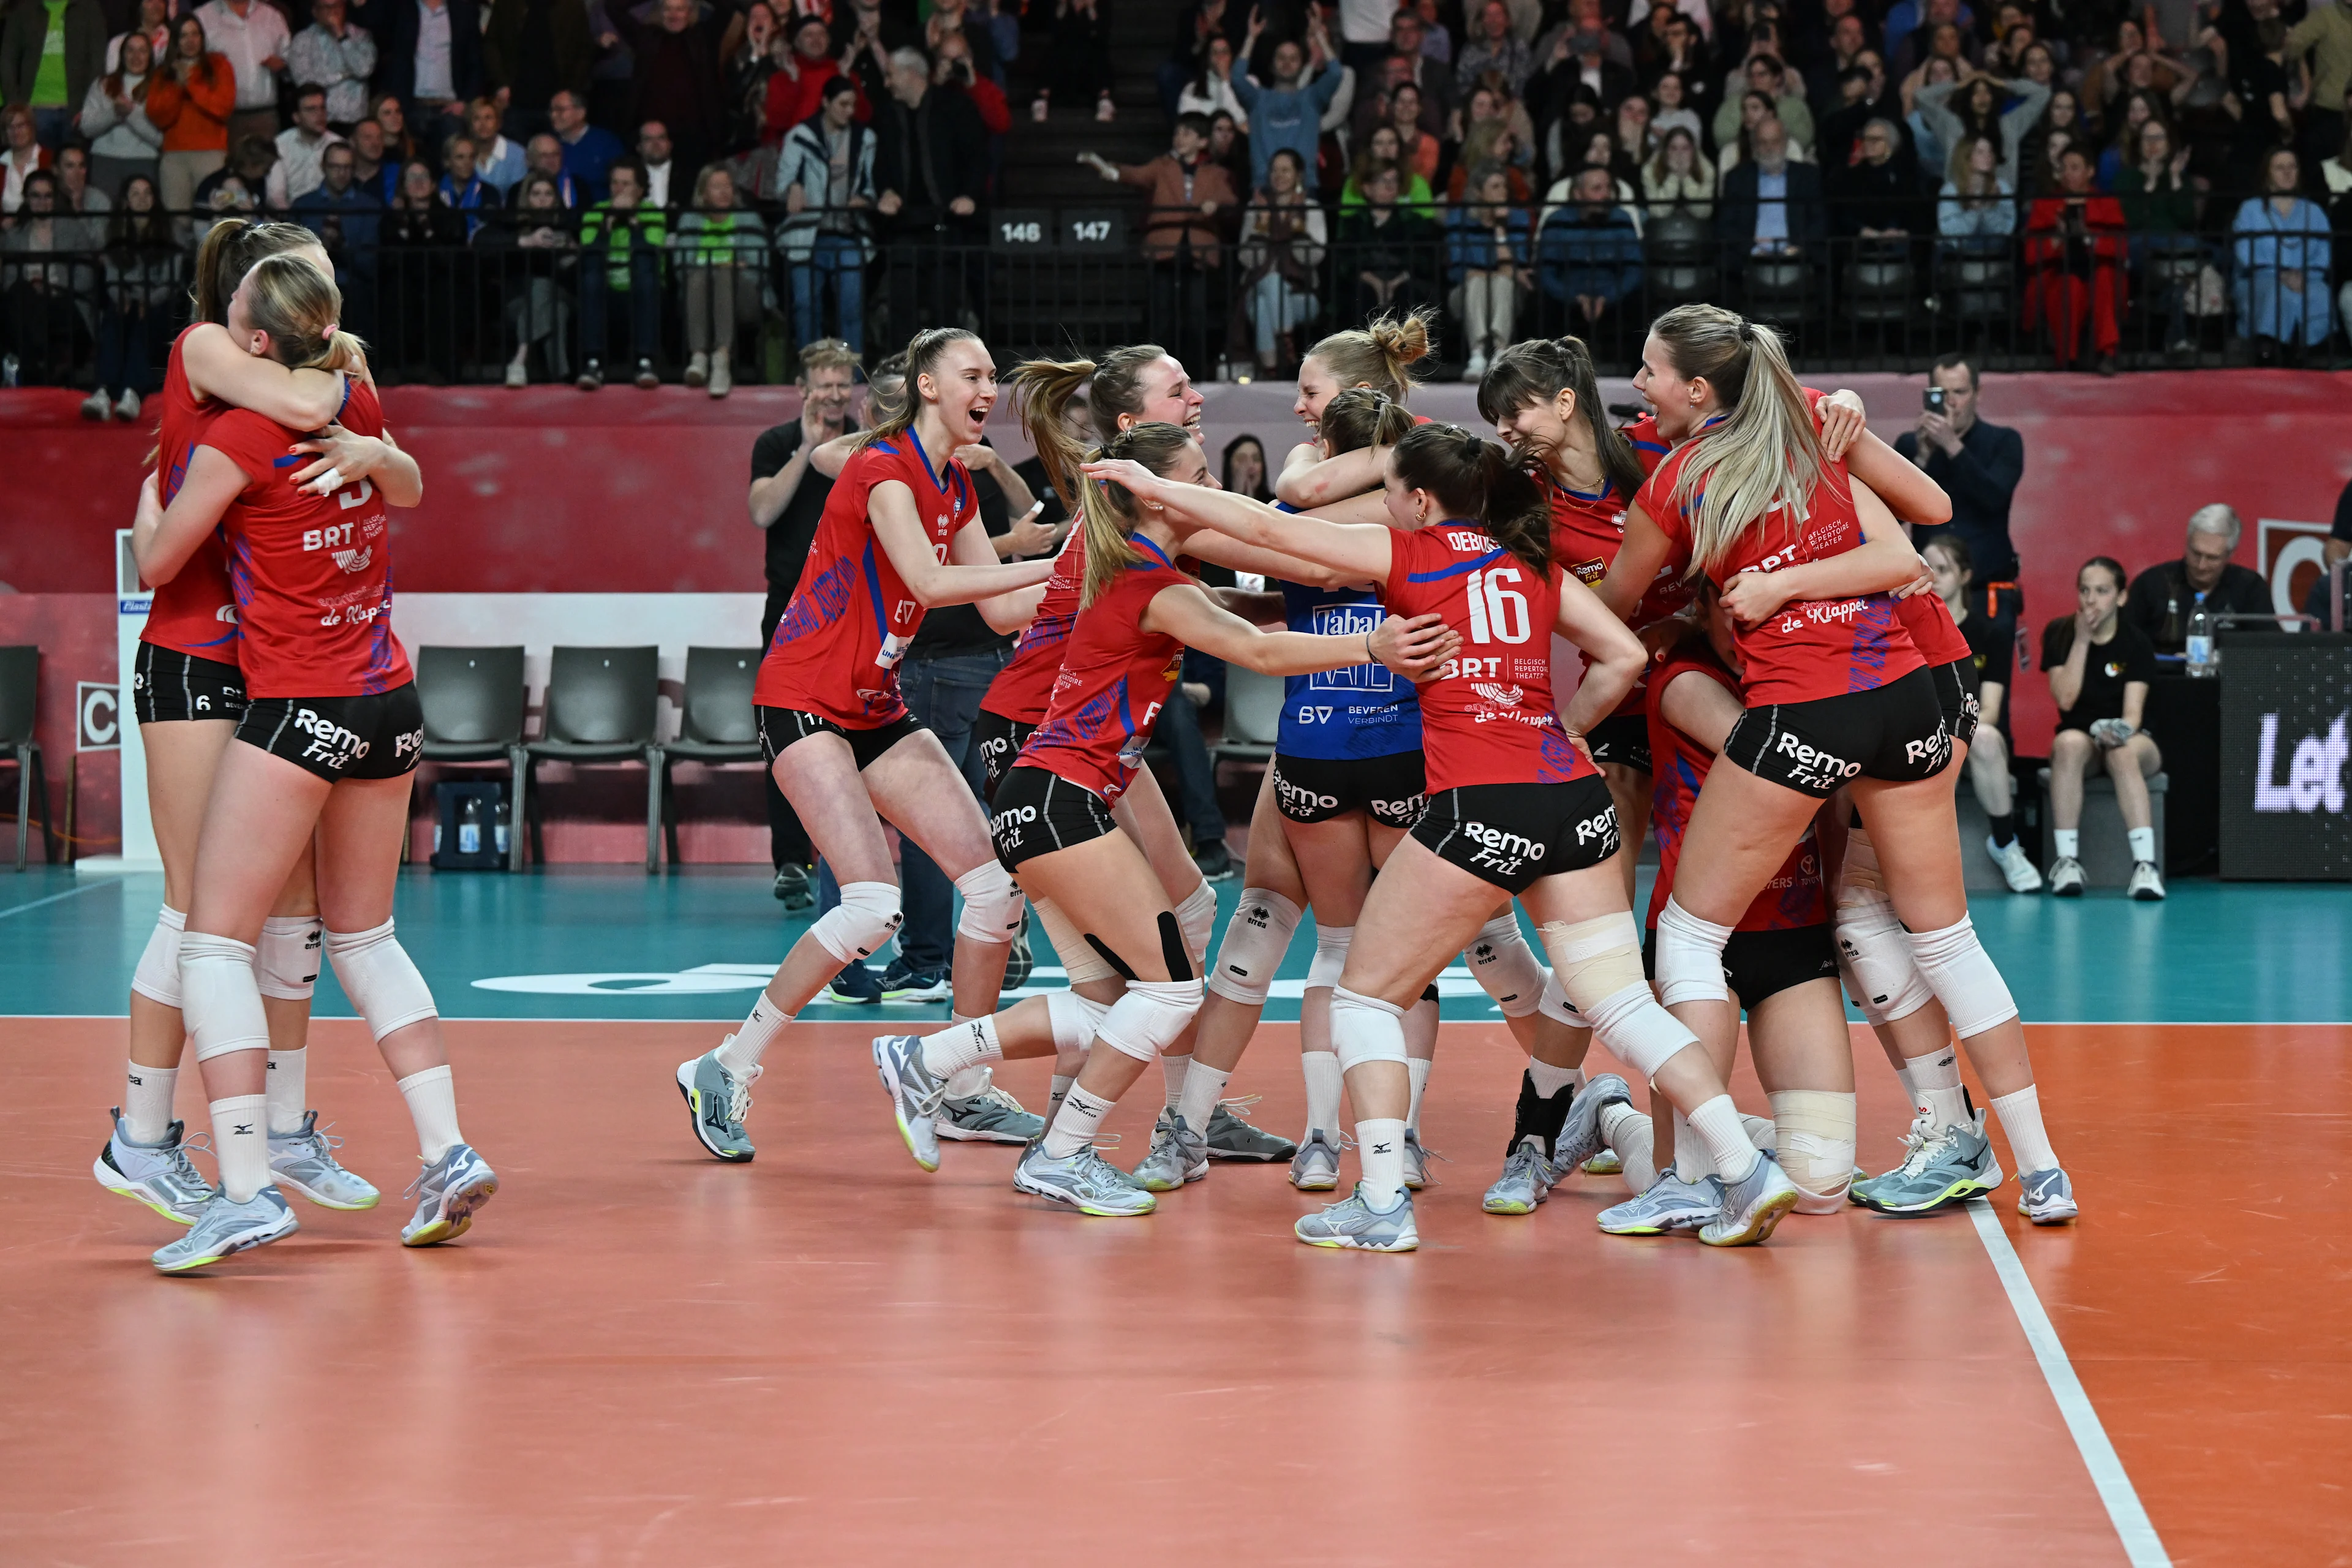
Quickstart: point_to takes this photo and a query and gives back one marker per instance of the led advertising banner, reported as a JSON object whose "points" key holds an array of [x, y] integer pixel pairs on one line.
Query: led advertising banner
{"points": [[2286, 703]]}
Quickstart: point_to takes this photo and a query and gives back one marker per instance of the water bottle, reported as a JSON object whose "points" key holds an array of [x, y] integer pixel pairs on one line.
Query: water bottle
{"points": [[2202, 661], [469, 826], [499, 827]]}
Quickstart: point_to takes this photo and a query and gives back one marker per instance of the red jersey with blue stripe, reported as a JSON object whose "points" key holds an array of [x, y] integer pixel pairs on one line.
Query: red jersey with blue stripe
{"points": [[1807, 649], [1489, 716], [195, 612], [1024, 687], [1650, 447], [1933, 631], [1795, 897], [836, 649], [312, 574], [1587, 530], [1114, 678]]}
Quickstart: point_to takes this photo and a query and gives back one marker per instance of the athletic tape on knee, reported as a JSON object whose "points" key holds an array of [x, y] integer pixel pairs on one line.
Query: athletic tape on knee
{"points": [[1689, 958], [288, 967], [1637, 1030], [993, 909], [1080, 962], [1075, 1019], [1963, 977], [219, 1001], [1257, 937], [1875, 958], [1330, 959], [1366, 1029], [1814, 1143], [376, 973], [157, 978], [1505, 967], [1594, 959], [1198, 915], [857, 926], [1143, 1023]]}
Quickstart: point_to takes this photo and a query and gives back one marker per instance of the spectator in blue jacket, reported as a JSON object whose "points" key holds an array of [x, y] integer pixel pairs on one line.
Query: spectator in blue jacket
{"points": [[2282, 254], [1590, 253], [1290, 113], [1487, 251]]}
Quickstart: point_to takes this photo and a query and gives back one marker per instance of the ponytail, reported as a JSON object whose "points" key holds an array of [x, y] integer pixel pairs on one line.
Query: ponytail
{"points": [[1361, 418], [1475, 479], [923, 353], [229, 251], [1043, 390], [1539, 371], [1766, 456], [1107, 510], [1380, 357]]}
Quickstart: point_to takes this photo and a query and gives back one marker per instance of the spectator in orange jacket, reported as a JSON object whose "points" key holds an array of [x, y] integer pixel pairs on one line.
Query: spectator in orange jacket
{"points": [[189, 99], [1189, 196], [2076, 245]]}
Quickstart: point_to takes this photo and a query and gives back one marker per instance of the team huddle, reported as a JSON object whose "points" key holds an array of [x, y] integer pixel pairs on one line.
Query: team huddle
{"points": [[1731, 568]]}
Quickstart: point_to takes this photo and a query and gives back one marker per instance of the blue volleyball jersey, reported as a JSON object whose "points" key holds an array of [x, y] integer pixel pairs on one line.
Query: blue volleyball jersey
{"points": [[1362, 711]]}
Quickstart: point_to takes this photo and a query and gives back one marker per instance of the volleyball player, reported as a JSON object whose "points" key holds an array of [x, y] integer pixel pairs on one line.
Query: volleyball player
{"points": [[188, 694], [1053, 825], [1838, 694], [332, 730]]}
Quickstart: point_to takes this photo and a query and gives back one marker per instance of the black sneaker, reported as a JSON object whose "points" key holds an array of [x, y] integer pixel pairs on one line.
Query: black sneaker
{"points": [[646, 376], [592, 375], [904, 983], [1216, 863], [793, 888], [855, 986]]}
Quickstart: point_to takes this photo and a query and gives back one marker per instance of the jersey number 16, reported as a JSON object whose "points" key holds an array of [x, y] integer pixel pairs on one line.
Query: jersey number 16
{"points": [[1496, 613]]}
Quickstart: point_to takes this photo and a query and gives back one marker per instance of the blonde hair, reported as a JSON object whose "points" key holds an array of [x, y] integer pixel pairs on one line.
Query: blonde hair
{"points": [[1766, 456], [1043, 392], [827, 354], [302, 310], [1380, 357], [1107, 511], [923, 353]]}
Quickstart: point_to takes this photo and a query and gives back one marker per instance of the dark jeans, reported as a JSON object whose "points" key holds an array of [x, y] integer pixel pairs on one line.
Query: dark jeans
{"points": [[836, 265], [642, 300], [945, 694], [1196, 776], [126, 352], [788, 841]]}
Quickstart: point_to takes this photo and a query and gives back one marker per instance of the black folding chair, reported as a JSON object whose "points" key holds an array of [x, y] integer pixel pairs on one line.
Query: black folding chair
{"points": [[717, 726], [20, 687], [600, 709], [473, 701]]}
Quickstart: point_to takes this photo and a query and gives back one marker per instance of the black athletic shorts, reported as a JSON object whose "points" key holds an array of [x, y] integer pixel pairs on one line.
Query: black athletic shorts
{"points": [[1957, 685], [1622, 739], [1316, 789], [1513, 835], [999, 741], [780, 727], [1895, 733], [1762, 963], [1037, 811], [376, 737], [168, 686]]}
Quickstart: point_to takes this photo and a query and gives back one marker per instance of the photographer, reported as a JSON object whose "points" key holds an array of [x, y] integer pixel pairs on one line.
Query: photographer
{"points": [[1979, 465]]}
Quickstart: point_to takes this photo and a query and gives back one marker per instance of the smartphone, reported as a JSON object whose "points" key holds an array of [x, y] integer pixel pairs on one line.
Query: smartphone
{"points": [[1934, 399]]}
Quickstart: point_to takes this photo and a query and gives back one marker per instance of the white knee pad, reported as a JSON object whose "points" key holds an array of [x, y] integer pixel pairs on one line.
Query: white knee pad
{"points": [[993, 909], [1080, 962], [1961, 974], [219, 1000], [857, 926], [1637, 1030], [1257, 937], [1330, 959], [376, 973], [1077, 1021], [157, 978], [1505, 967], [1556, 1005], [1875, 958], [1198, 917], [1366, 1029], [288, 967], [1145, 1021], [1689, 958], [1813, 1141]]}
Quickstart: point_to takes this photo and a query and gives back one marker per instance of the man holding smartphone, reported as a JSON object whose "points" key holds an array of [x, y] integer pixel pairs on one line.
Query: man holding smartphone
{"points": [[1980, 466]]}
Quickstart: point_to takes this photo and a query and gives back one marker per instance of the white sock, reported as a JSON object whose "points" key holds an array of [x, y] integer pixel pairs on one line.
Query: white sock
{"points": [[1174, 1068], [1691, 1161], [971, 1080], [1416, 1069], [1075, 1124], [286, 1092], [241, 1144], [1379, 1147], [432, 1104], [1718, 1126], [1324, 1083], [1059, 1092], [1936, 1085], [1549, 1081], [1203, 1086], [2067, 841], [1910, 1085], [742, 1052], [2143, 844], [2021, 1118], [968, 1046], [147, 1102], [1630, 1136]]}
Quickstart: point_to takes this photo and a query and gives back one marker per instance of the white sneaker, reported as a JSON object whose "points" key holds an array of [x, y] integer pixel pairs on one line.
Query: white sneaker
{"points": [[2023, 877], [98, 407], [518, 374], [1476, 368], [2067, 878], [2145, 884], [722, 374], [127, 409], [697, 370]]}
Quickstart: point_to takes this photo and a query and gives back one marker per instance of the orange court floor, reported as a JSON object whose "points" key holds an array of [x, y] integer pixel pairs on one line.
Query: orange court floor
{"points": [[639, 1356]]}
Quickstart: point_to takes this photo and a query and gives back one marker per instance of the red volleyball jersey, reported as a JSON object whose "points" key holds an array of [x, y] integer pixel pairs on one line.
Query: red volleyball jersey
{"points": [[313, 574], [1933, 631], [1488, 718], [1114, 678], [1024, 686], [1650, 449], [1586, 532], [1807, 649], [836, 650], [1794, 898], [195, 612]]}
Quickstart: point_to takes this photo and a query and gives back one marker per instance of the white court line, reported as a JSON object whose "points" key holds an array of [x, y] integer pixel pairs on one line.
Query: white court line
{"points": [[53, 898], [2123, 1510]]}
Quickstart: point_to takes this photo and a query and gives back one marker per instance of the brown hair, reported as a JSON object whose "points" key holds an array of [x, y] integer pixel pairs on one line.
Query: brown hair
{"points": [[1474, 479], [1380, 355], [827, 354], [923, 352], [1539, 371], [1044, 390], [231, 247], [1361, 418], [1107, 510]]}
